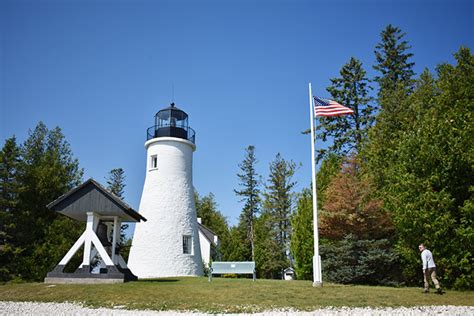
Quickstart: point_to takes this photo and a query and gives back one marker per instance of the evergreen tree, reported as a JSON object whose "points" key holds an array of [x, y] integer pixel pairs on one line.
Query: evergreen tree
{"points": [[116, 185], [348, 131], [393, 61], [355, 261], [250, 193], [239, 247], [429, 186], [270, 260], [211, 217], [9, 163], [116, 182], [9, 187], [395, 81], [278, 202], [47, 171]]}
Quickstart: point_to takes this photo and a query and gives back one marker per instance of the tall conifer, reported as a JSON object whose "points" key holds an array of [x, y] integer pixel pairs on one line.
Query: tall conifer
{"points": [[47, 171], [116, 182], [395, 79], [279, 199], [9, 187], [349, 131], [393, 61], [211, 217], [116, 185], [250, 193]]}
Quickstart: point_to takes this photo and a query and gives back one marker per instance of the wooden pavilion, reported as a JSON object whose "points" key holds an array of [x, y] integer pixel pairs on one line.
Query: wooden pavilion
{"points": [[103, 213]]}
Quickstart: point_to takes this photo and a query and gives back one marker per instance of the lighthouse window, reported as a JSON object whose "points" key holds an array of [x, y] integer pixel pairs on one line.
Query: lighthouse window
{"points": [[154, 162], [187, 244]]}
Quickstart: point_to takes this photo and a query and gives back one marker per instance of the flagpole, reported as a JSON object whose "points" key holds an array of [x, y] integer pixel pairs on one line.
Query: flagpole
{"points": [[317, 280]]}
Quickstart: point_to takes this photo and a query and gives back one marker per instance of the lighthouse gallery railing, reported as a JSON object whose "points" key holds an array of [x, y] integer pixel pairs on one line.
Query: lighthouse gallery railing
{"points": [[171, 131]]}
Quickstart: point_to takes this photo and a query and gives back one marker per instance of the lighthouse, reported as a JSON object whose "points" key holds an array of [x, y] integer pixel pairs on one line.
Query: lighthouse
{"points": [[167, 245]]}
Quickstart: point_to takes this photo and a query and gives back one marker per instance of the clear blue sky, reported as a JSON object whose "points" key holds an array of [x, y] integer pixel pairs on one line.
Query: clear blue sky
{"points": [[101, 69]]}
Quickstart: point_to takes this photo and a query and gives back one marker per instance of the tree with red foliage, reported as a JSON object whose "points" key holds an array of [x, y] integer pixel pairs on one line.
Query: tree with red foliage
{"points": [[349, 207]]}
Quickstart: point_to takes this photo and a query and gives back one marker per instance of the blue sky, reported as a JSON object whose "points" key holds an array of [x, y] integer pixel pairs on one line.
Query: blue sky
{"points": [[101, 69]]}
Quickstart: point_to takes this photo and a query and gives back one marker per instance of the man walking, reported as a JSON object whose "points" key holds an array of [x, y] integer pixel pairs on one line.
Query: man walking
{"points": [[429, 269]]}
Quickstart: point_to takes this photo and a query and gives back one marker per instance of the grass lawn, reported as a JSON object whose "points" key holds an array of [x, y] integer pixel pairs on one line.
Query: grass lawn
{"points": [[228, 295]]}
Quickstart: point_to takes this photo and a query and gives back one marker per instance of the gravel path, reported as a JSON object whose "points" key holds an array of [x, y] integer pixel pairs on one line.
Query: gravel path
{"points": [[32, 308]]}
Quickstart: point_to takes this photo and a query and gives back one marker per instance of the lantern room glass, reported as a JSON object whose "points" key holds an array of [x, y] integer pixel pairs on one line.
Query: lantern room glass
{"points": [[171, 117]]}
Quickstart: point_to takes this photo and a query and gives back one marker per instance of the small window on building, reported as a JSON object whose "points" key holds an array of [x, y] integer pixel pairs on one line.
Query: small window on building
{"points": [[187, 244], [154, 162]]}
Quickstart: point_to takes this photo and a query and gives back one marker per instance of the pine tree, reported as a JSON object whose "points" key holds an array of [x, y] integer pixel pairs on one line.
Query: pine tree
{"points": [[239, 247], [360, 261], [9, 187], [395, 81], [211, 217], [250, 193], [116, 185], [116, 182], [270, 259], [393, 61], [279, 200], [47, 171], [348, 131]]}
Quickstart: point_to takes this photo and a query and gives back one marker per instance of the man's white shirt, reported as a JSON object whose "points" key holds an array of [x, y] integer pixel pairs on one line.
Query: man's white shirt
{"points": [[427, 258]]}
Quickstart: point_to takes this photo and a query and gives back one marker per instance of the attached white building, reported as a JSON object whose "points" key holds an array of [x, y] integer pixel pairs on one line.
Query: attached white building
{"points": [[209, 242]]}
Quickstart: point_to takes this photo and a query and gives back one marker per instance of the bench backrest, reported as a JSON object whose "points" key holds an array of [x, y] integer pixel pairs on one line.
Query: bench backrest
{"points": [[220, 267]]}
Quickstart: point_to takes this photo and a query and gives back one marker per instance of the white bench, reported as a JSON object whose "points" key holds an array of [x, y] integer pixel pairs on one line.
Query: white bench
{"points": [[232, 267]]}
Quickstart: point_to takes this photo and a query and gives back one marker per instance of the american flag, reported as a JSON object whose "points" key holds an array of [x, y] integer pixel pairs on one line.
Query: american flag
{"points": [[325, 107]]}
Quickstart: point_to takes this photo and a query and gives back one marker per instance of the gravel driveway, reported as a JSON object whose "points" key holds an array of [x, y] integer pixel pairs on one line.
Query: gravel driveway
{"points": [[32, 308]]}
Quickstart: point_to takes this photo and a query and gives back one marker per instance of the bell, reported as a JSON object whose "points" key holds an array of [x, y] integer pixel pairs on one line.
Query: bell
{"points": [[102, 234]]}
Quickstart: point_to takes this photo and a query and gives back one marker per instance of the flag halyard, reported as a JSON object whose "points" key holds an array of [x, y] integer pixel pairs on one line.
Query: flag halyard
{"points": [[329, 108]]}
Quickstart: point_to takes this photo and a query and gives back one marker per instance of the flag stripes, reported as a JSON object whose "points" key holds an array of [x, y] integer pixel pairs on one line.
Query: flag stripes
{"points": [[328, 108]]}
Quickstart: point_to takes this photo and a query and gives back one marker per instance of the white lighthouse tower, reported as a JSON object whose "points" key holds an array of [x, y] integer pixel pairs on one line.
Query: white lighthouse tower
{"points": [[167, 245]]}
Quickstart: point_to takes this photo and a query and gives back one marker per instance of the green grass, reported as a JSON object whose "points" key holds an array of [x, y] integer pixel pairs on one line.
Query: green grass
{"points": [[228, 295]]}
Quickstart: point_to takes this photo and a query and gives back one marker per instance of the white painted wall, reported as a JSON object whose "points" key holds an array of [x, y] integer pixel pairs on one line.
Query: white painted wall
{"points": [[168, 205], [205, 249]]}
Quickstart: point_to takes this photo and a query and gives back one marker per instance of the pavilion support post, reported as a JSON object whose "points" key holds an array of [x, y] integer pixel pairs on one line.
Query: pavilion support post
{"points": [[116, 239], [86, 259], [77, 245]]}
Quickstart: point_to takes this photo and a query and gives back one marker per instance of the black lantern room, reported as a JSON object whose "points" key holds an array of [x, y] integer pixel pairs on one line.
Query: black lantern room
{"points": [[171, 122]]}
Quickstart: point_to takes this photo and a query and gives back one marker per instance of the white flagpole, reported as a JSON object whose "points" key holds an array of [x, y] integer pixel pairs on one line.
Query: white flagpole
{"points": [[317, 280]]}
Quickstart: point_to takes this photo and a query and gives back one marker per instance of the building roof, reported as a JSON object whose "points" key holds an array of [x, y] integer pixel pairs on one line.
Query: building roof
{"points": [[177, 113], [93, 197], [209, 234]]}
